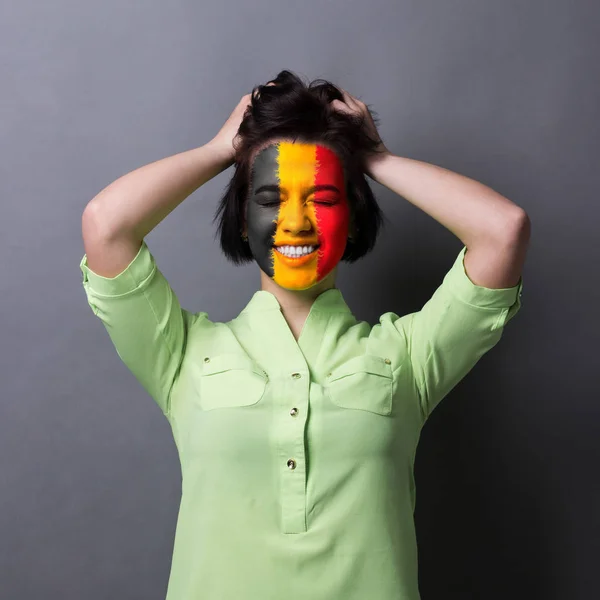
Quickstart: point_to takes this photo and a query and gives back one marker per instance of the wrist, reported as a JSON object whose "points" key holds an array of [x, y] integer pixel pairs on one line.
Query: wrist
{"points": [[224, 152], [377, 162]]}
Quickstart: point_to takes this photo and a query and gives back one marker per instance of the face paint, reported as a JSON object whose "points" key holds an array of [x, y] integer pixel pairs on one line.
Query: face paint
{"points": [[297, 198]]}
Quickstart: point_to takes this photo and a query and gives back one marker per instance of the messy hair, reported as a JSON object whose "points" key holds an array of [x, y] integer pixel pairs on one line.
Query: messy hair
{"points": [[292, 110]]}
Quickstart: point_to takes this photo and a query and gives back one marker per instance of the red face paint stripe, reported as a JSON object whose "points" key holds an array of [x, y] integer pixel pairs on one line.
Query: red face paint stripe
{"points": [[301, 167], [328, 171]]}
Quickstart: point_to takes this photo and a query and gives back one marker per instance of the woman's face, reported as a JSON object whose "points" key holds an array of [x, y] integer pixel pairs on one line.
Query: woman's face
{"points": [[297, 212]]}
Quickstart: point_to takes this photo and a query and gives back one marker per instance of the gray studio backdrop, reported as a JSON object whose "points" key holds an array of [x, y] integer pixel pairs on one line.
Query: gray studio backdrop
{"points": [[504, 92]]}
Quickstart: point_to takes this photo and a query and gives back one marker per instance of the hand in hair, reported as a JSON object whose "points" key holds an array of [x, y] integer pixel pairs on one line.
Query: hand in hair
{"points": [[354, 106], [224, 139]]}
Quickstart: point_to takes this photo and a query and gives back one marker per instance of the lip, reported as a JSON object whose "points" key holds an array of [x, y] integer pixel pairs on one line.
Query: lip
{"points": [[297, 261], [297, 244]]}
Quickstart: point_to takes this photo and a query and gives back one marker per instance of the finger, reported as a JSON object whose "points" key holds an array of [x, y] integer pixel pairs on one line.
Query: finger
{"points": [[342, 107], [349, 98], [360, 105]]}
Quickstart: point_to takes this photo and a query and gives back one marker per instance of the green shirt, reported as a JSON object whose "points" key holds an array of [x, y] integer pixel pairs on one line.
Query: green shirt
{"points": [[296, 456]]}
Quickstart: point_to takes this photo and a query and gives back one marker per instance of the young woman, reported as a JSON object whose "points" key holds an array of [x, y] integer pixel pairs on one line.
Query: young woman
{"points": [[297, 424]]}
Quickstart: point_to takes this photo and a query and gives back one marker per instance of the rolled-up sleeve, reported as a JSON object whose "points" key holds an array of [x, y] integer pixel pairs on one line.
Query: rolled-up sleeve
{"points": [[454, 329], [144, 320]]}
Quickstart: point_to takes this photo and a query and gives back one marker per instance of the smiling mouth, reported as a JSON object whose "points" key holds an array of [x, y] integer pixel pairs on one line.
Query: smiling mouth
{"points": [[312, 247]]}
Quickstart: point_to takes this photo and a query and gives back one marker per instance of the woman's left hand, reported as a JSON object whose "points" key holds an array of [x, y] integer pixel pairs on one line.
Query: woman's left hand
{"points": [[352, 105]]}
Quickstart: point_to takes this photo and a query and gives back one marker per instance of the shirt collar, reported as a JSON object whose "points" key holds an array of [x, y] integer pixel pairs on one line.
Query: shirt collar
{"points": [[329, 301], [264, 332]]}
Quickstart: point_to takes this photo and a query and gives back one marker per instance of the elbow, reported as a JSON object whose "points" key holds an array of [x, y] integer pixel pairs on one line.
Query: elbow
{"points": [[520, 228], [94, 224], [89, 221], [515, 228]]}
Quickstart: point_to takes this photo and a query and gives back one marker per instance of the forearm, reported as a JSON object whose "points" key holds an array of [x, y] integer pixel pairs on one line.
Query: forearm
{"points": [[137, 202], [470, 210]]}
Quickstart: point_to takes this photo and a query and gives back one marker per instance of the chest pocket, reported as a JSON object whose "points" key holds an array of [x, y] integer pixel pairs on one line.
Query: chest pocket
{"points": [[363, 382], [230, 380]]}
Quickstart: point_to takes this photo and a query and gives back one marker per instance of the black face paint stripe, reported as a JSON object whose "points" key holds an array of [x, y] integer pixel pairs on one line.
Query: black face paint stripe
{"points": [[263, 214]]}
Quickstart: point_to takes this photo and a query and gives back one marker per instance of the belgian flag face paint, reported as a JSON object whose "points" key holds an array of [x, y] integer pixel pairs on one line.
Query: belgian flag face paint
{"points": [[297, 198]]}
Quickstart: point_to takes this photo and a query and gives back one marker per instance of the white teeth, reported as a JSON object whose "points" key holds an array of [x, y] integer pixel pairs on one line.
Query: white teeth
{"points": [[295, 250]]}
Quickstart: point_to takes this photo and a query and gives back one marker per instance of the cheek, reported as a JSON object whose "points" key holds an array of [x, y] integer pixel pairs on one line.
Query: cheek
{"points": [[333, 224], [261, 224]]}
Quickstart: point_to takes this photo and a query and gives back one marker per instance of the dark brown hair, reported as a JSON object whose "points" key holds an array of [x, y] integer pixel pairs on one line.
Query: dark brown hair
{"points": [[293, 110]]}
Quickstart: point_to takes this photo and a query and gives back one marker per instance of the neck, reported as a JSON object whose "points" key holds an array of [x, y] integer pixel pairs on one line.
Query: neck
{"points": [[295, 304]]}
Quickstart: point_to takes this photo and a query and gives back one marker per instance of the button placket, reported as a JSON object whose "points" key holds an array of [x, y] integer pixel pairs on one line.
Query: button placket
{"points": [[291, 463], [294, 476], [294, 411]]}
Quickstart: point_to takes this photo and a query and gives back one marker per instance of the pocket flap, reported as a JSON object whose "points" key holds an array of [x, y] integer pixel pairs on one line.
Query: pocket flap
{"points": [[364, 382], [230, 361], [230, 380], [365, 363]]}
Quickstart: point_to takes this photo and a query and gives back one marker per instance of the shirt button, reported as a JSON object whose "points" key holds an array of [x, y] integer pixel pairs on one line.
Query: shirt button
{"points": [[296, 375], [388, 361], [291, 464], [294, 412], [207, 359]]}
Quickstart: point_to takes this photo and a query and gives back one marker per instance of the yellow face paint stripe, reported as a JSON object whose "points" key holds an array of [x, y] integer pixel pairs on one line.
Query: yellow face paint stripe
{"points": [[297, 166]]}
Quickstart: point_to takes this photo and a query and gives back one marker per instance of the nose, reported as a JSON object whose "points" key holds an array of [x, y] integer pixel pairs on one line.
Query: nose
{"points": [[295, 217]]}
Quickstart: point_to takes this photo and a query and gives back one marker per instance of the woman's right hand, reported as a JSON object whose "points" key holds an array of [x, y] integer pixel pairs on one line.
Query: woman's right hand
{"points": [[224, 139]]}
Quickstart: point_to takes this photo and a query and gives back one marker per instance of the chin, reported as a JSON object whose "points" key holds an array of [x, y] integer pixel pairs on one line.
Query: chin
{"points": [[295, 287], [300, 283], [298, 289]]}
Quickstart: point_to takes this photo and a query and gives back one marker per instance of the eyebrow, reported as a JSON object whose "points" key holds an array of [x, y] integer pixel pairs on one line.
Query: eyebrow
{"points": [[314, 188]]}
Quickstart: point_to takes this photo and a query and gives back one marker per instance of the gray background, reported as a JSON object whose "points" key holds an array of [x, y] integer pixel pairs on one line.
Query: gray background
{"points": [[504, 92]]}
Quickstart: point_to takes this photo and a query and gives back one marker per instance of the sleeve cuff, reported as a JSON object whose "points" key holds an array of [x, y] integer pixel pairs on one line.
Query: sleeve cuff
{"points": [[460, 284], [128, 280]]}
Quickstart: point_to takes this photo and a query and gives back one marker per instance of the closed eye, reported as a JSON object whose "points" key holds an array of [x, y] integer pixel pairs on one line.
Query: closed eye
{"points": [[327, 202], [322, 201]]}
